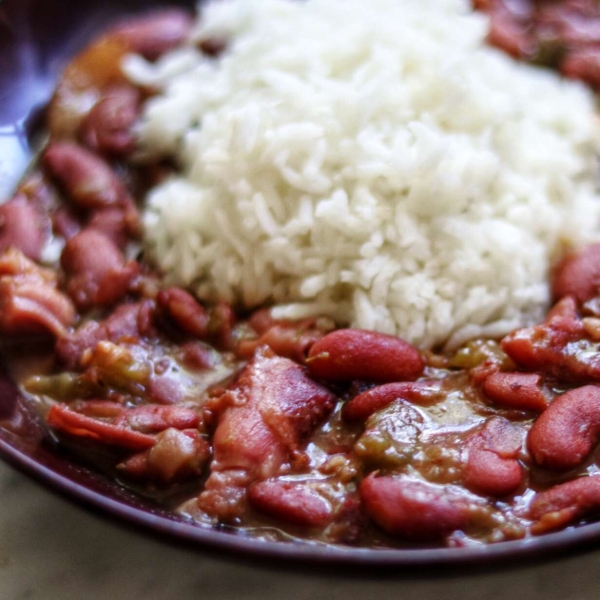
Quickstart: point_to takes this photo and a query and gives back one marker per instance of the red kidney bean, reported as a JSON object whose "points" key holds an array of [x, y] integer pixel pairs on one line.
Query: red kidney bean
{"points": [[293, 502], [184, 310], [156, 33], [361, 407], [130, 320], [516, 390], [118, 222], [21, 227], [583, 30], [14, 262], [107, 128], [543, 345], [87, 179], [96, 270], [348, 354], [65, 420], [565, 433], [412, 509], [291, 342], [578, 274], [220, 325], [583, 63], [510, 31], [502, 437], [198, 356], [225, 494], [65, 222], [564, 503], [492, 467]]}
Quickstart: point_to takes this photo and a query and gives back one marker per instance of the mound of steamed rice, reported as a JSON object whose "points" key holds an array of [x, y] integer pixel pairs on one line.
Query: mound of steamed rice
{"points": [[371, 161]]}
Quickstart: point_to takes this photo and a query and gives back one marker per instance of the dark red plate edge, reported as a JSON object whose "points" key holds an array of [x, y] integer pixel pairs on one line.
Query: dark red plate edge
{"points": [[316, 554]]}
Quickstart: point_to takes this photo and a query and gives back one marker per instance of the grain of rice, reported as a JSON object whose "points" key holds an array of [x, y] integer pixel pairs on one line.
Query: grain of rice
{"points": [[374, 161]]}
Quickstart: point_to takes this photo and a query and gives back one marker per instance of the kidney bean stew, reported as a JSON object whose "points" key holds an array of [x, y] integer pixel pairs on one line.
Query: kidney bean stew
{"points": [[280, 429]]}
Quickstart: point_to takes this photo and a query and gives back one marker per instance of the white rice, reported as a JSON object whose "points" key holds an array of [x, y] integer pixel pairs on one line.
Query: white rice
{"points": [[371, 161]]}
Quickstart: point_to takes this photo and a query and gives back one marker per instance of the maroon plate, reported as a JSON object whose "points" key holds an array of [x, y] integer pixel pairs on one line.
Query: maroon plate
{"points": [[36, 39]]}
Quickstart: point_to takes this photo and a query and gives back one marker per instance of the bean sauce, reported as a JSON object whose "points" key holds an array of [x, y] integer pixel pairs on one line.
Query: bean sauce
{"points": [[288, 429]]}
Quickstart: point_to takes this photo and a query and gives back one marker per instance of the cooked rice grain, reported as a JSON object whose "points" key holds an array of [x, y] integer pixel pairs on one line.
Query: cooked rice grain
{"points": [[371, 161]]}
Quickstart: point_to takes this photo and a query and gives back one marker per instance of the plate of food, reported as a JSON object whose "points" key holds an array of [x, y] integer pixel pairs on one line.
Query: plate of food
{"points": [[312, 280]]}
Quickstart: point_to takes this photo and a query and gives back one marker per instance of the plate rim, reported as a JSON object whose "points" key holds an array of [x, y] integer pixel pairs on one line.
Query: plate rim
{"points": [[299, 553]]}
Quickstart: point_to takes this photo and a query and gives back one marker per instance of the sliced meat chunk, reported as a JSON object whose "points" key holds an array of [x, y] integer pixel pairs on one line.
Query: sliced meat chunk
{"points": [[559, 347], [29, 305], [150, 419], [583, 63], [516, 390], [30, 302], [265, 417], [348, 354], [70, 422]]}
